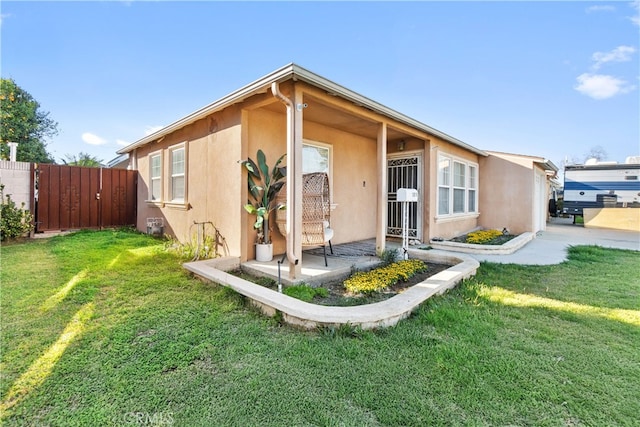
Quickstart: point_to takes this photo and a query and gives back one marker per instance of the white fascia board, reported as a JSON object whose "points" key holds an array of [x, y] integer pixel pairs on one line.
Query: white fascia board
{"points": [[252, 88], [293, 71]]}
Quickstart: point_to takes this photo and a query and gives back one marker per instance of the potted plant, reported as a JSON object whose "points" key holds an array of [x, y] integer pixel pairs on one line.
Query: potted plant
{"points": [[264, 185]]}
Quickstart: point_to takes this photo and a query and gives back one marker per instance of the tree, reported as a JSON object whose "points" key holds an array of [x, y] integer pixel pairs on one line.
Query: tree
{"points": [[596, 152], [23, 121], [82, 159]]}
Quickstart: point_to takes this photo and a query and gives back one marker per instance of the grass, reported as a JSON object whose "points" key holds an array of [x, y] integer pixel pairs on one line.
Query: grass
{"points": [[104, 328]]}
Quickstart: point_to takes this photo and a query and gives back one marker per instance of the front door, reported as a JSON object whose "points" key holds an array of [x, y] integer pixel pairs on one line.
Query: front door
{"points": [[404, 171]]}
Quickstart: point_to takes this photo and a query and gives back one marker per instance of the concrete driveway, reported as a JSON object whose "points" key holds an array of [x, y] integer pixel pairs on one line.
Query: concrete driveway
{"points": [[550, 246]]}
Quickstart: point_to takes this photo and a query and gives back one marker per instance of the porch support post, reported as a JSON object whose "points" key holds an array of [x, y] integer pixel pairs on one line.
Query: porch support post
{"points": [[381, 205], [295, 151], [294, 178], [243, 223]]}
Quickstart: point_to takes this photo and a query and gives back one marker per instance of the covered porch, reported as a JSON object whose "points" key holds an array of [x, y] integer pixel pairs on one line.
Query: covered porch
{"points": [[359, 143], [340, 264]]}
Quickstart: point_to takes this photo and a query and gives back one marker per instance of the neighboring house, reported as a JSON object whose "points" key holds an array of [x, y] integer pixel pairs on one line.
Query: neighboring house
{"points": [[190, 171], [120, 162], [514, 191]]}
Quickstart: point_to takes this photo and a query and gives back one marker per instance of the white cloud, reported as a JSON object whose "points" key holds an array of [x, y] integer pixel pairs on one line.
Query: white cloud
{"points": [[619, 54], [152, 129], [93, 139], [635, 19], [121, 142], [600, 86], [600, 8], [4, 16]]}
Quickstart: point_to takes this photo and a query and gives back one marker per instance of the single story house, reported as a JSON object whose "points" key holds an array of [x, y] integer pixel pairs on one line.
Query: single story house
{"points": [[515, 190], [191, 171]]}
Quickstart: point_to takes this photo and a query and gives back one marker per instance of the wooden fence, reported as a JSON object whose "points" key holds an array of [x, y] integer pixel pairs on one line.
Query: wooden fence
{"points": [[72, 197]]}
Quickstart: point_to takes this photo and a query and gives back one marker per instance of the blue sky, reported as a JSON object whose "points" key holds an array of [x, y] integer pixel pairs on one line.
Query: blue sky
{"points": [[551, 79]]}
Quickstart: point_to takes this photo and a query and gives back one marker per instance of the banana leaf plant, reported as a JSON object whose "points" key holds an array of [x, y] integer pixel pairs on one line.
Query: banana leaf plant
{"points": [[264, 185]]}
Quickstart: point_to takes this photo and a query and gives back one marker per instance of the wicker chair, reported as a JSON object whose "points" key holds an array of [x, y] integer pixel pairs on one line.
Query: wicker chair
{"points": [[316, 226]]}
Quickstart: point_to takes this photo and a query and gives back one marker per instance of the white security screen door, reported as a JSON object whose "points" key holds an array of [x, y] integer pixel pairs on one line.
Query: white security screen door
{"points": [[404, 171]]}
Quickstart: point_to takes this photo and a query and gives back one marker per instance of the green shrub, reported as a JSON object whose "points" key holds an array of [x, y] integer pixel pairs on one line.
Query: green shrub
{"points": [[14, 221], [208, 247], [305, 292], [381, 278], [389, 256]]}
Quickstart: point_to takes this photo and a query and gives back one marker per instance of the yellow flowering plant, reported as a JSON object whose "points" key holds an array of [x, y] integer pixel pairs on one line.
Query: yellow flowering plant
{"points": [[381, 278], [483, 236]]}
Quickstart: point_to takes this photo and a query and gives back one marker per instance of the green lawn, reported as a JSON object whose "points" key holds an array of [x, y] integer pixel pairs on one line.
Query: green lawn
{"points": [[104, 328]]}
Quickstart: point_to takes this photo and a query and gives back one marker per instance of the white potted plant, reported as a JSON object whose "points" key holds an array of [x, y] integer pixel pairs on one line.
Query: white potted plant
{"points": [[264, 185]]}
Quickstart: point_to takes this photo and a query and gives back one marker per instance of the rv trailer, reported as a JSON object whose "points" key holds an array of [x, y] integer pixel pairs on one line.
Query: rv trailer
{"points": [[601, 185]]}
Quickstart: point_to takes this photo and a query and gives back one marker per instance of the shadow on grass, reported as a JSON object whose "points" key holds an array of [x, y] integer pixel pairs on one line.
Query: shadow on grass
{"points": [[591, 277]]}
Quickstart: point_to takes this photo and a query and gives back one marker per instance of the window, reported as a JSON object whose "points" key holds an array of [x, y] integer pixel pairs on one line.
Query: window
{"points": [[177, 172], [444, 182], [472, 189], [316, 157], [457, 187], [459, 190], [155, 176]]}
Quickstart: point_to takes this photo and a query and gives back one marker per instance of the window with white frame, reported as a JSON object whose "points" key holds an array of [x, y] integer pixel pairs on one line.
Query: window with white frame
{"points": [[457, 186], [316, 157], [155, 176], [472, 189], [177, 173], [444, 185]]}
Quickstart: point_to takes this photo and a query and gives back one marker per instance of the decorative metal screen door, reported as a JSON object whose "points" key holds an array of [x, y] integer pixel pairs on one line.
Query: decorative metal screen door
{"points": [[404, 172]]}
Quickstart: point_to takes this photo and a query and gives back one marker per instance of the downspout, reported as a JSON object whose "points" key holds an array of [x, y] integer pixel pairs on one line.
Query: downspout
{"points": [[290, 210]]}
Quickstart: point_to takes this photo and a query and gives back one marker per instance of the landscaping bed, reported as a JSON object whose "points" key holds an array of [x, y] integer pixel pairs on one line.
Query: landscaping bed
{"points": [[485, 237], [337, 295]]}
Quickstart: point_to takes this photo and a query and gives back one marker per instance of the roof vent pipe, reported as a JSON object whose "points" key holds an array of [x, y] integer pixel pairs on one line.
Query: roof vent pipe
{"points": [[291, 213], [13, 151]]}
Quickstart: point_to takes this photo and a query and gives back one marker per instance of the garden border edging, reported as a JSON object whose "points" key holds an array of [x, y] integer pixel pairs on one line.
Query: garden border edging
{"points": [[505, 249], [369, 316]]}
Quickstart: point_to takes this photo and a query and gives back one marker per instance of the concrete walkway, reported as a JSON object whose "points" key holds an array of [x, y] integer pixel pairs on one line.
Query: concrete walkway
{"points": [[550, 246]]}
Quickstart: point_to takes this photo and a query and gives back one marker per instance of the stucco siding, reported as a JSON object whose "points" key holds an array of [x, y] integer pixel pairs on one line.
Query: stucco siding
{"points": [[266, 131], [212, 185], [353, 182], [506, 193]]}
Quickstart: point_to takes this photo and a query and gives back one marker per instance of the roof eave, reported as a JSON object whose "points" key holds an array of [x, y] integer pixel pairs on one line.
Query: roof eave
{"points": [[298, 73], [252, 88], [547, 165]]}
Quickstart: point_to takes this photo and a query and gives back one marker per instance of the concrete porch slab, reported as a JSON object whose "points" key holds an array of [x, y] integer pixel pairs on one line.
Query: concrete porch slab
{"points": [[314, 272]]}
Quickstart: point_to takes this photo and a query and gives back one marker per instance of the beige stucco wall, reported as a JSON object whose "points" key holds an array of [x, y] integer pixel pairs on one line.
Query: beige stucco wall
{"points": [[267, 131], [505, 194], [213, 180], [507, 191], [354, 182]]}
